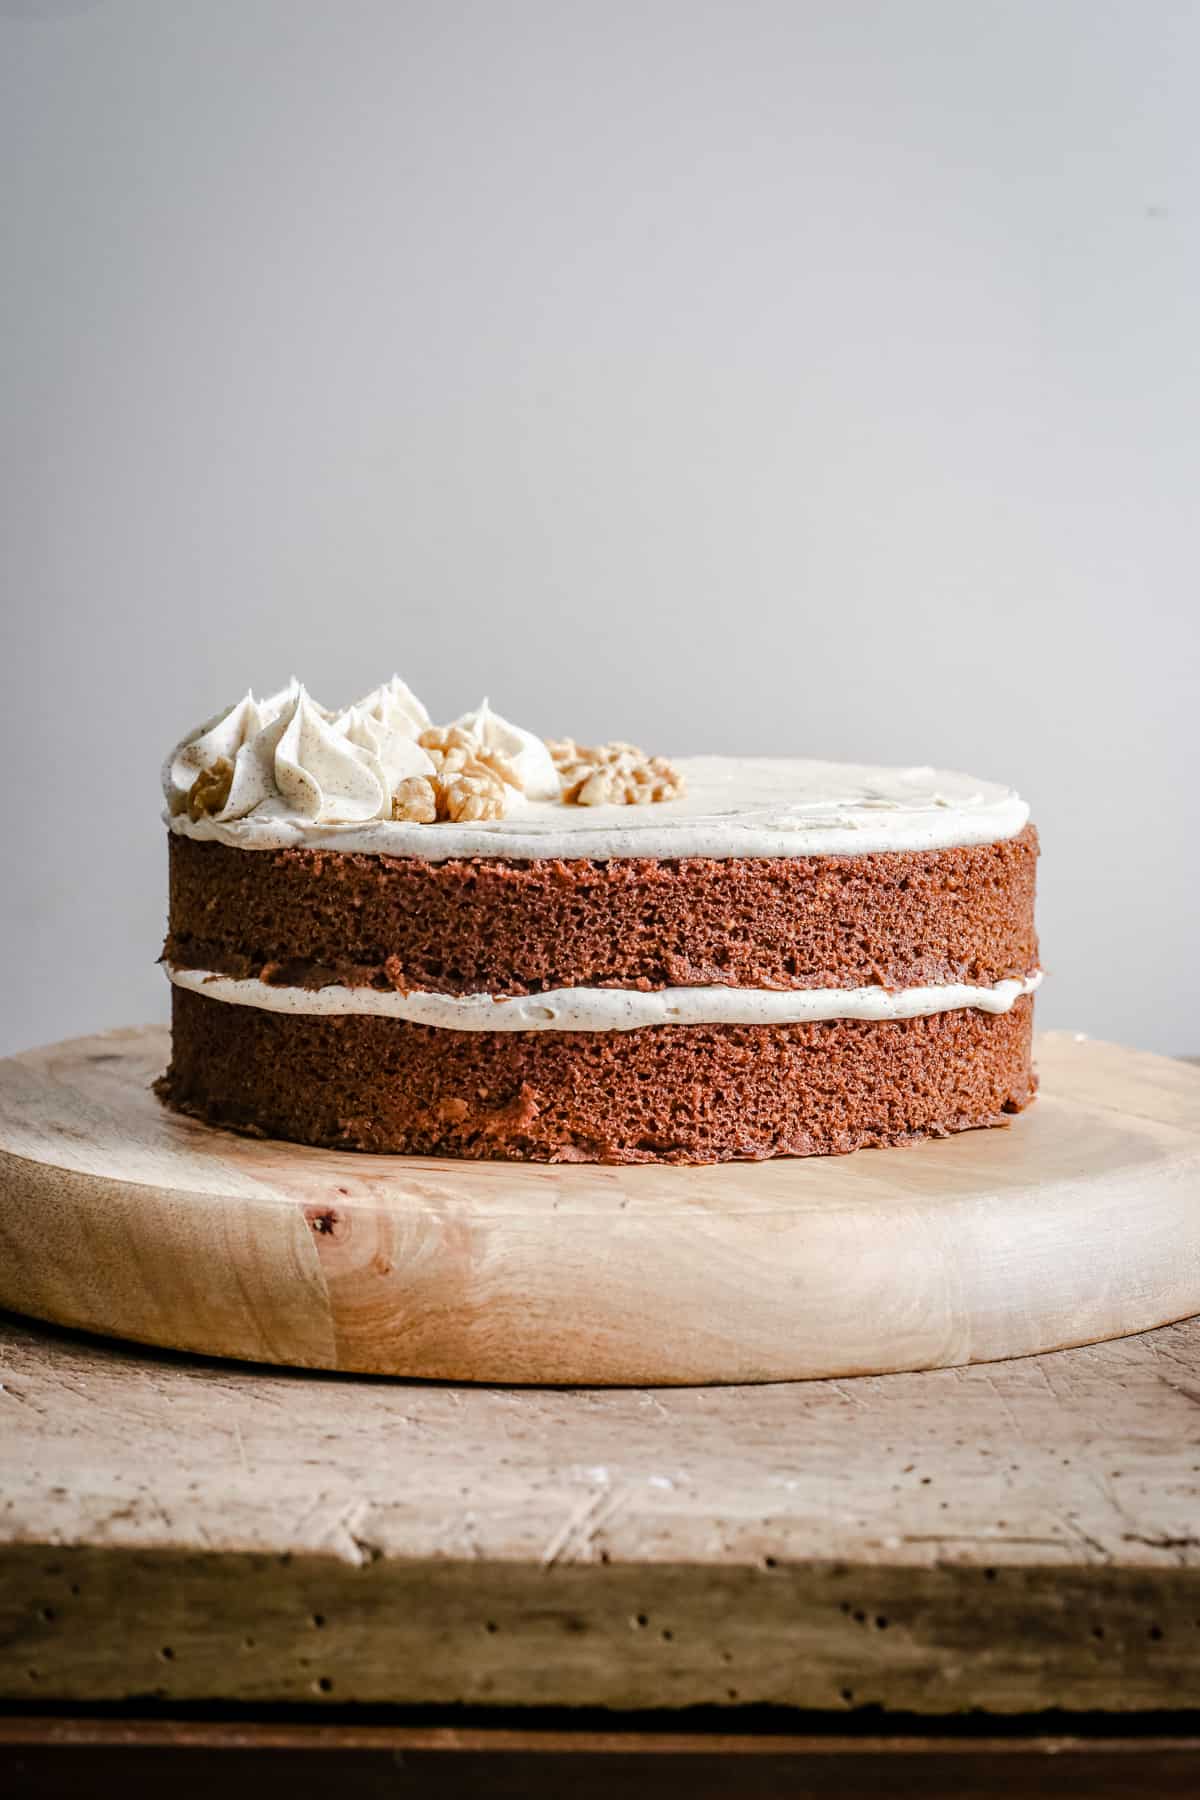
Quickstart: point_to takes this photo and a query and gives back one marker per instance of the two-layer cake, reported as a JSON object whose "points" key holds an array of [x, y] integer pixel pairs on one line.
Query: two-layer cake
{"points": [[467, 942]]}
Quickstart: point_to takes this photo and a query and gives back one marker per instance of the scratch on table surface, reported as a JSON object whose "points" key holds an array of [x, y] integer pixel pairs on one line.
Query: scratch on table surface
{"points": [[1163, 1351], [581, 1524], [990, 1381], [347, 1535], [1177, 1387], [1040, 1370], [86, 1419], [153, 1500], [653, 1400], [1113, 1500], [1076, 1530], [468, 1538]]}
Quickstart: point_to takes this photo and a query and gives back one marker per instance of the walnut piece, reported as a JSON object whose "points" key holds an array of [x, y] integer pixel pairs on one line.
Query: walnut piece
{"points": [[470, 780], [471, 793], [210, 790], [613, 774], [453, 750], [415, 800], [466, 783]]}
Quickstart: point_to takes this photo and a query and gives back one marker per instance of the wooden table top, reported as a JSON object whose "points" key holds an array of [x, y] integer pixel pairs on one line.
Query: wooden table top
{"points": [[1013, 1536]]}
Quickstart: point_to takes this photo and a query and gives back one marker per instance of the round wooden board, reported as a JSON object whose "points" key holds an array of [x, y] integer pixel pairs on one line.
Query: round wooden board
{"points": [[1080, 1221]]}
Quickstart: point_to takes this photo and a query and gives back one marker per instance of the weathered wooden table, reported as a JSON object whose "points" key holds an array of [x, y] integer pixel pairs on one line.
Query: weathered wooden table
{"points": [[861, 1586]]}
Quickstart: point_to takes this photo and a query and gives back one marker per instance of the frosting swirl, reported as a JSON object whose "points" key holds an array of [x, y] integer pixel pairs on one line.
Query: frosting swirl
{"points": [[288, 761], [220, 738], [397, 753], [395, 707], [317, 772], [531, 761]]}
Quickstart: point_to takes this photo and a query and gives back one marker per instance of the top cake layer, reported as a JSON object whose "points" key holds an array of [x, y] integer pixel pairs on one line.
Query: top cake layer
{"points": [[287, 773], [733, 807]]}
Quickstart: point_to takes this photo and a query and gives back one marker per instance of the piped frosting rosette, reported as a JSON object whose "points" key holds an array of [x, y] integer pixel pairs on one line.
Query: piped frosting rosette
{"points": [[290, 758]]}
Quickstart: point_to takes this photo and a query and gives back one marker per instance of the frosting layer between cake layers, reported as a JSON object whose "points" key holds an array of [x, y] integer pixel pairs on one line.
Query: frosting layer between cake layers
{"points": [[607, 1009]]}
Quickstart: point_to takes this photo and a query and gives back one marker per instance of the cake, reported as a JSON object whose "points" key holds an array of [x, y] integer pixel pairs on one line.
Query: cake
{"points": [[467, 942]]}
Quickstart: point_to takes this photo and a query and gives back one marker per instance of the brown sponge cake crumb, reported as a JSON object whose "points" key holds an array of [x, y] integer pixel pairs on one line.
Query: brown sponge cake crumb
{"points": [[670, 1093], [309, 917]]}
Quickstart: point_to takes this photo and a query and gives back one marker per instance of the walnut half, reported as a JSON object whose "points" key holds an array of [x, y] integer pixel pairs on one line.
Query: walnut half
{"points": [[460, 791], [613, 774], [415, 800], [210, 790], [471, 793]]}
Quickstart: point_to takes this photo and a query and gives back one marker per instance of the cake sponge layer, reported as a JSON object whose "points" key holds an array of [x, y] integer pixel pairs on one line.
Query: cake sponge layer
{"points": [[670, 1093], [896, 919]]}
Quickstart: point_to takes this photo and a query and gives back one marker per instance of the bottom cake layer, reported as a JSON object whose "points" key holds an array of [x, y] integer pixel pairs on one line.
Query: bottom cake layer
{"points": [[666, 1093]]}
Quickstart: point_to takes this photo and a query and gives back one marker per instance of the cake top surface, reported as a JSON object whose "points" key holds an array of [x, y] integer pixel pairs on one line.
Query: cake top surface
{"points": [[377, 778]]}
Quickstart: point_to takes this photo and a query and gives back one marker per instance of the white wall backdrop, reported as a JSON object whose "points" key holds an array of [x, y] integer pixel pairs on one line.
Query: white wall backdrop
{"points": [[793, 377]]}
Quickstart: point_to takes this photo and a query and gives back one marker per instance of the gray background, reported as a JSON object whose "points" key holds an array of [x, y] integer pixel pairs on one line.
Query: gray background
{"points": [[814, 378]]}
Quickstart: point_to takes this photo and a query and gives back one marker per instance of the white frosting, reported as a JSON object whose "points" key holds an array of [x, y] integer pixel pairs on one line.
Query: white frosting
{"points": [[304, 775], [297, 766], [318, 773], [397, 753], [396, 708], [734, 806], [296, 762], [308, 769], [610, 1009], [222, 736], [531, 761]]}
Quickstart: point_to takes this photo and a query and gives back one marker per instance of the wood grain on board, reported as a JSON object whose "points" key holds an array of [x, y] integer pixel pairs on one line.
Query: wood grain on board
{"points": [[1080, 1221]]}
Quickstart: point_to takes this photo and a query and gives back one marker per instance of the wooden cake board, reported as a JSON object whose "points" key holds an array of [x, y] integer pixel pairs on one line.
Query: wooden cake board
{"points": [[1080, 1221]]}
